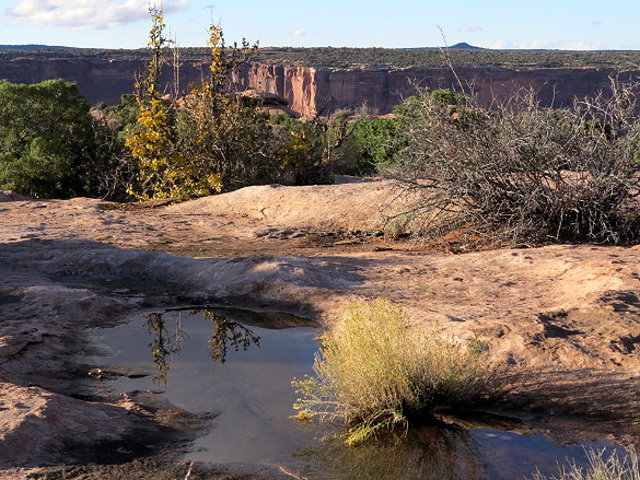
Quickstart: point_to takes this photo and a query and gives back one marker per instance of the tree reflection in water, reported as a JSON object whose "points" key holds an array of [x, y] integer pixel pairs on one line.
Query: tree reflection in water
{"points": [[424, 453], [227, 335]]}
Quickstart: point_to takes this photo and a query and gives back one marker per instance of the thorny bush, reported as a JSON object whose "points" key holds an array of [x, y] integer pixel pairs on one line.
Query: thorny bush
{"points": [[523, 173]]}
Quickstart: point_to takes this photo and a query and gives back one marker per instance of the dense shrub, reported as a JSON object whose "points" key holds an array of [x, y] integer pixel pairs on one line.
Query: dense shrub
{"points": [[53, 146], [301, 149], [46, 137], [377, 141], [211, 139], [524, 173], [111, 165], [374, 372]]}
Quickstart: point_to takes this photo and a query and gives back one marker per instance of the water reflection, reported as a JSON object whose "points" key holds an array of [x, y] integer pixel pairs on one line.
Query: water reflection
{"points": [[226, 335], [426, 453], [252, 398]]}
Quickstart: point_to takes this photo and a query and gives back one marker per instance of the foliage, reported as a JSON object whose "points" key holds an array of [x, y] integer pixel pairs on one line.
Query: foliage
{"points": [[522, 172], [347, 144], [302, 149], [112, 166], [122, 117], [601, 467], [211, 139], [374, 372], [154, 141], [377, 142], [45, 139]]}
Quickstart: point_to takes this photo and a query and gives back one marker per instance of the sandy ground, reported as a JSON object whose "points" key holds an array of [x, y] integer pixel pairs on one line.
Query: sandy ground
{"points": [[563, 320]]}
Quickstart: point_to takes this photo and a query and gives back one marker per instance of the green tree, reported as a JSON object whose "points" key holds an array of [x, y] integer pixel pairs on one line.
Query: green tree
{"points": [[46, 137], [378, 140]]}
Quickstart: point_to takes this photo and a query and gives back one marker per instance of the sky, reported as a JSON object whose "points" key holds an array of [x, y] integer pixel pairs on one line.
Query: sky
{"points": [[557, 24]]}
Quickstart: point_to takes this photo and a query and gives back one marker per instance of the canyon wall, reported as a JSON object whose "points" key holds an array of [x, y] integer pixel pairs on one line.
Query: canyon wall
{"points": [[317, 91], [313, 91], [98, 80]]}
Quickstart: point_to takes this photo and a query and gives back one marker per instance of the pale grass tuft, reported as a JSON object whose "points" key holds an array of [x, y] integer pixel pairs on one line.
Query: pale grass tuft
{"points": [[601, 467], [375, 372]]}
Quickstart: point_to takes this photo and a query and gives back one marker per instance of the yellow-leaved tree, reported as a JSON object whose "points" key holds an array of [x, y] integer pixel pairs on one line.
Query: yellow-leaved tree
{"points": [[154, 142], [210, 139]]}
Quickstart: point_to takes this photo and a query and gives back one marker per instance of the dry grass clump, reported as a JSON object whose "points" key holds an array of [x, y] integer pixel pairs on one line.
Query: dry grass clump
{"points": [[601, 467], [375, 372]]}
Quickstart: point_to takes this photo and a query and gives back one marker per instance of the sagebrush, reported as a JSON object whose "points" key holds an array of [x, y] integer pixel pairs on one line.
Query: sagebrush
{"points": [[375, 372]]}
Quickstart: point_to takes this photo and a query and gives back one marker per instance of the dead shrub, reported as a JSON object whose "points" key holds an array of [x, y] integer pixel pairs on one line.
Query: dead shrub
{"points": [[524, 173]]}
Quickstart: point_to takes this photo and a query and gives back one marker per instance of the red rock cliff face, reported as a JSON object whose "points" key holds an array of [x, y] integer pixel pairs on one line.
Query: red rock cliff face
{"points": [[98, 81], [296, 84], [317, 91], [320, 91]]}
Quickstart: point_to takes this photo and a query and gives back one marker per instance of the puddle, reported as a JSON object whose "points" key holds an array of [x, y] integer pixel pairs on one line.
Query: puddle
{"points": [[239, 365]]}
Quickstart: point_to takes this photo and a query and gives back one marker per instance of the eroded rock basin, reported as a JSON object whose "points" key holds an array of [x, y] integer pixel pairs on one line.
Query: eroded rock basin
{"points": [[240, 372], [564, 319]]}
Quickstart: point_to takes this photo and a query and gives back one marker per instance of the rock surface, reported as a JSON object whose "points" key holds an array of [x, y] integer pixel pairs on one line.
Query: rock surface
{"points": [[564, 320], [11, 196], [312, 91]]}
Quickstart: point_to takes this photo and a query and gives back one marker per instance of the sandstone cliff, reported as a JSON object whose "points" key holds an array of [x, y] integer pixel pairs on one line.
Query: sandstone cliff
{"points": [[97, 79], [320, 91], [312, 91]]}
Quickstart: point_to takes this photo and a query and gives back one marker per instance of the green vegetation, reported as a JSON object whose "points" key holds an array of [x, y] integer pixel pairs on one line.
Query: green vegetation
{"points": [[53, 146], [46, 138], [374, 372], [371, 58], [389, 58], [212, 140], [376, 142], [601, 467]]}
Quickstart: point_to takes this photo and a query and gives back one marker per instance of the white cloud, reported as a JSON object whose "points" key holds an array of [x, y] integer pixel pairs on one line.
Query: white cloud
{"points": [[578, 46], [299, 32], [542, 45], [499, 45], [470, 28], [87, 14]]}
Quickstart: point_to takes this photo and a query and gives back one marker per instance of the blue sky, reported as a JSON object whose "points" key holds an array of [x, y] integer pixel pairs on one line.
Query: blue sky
{"points": [[358, 23]]}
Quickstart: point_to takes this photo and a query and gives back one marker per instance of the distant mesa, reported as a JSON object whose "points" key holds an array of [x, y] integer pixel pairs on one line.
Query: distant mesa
{"points": [[457, 46], [465, 46], [318, 81], [35, 47]]}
